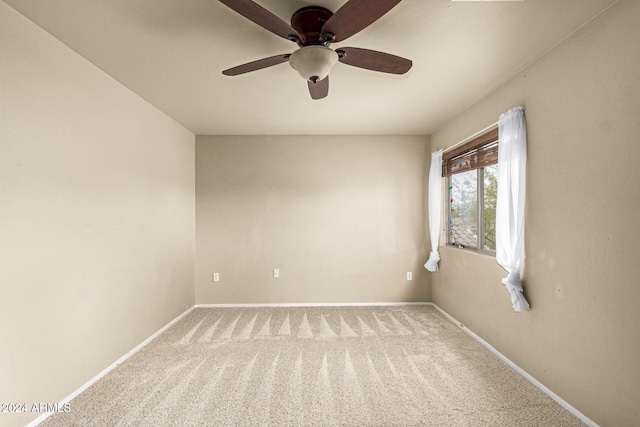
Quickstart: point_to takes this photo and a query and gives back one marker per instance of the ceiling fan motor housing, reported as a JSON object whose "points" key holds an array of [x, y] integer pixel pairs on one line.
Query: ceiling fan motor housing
{"points": [[309, 21]]}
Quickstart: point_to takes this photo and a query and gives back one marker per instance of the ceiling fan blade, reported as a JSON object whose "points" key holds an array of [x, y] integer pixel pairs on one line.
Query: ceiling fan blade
{"points": [[355, 15], [257, 65], [374, 60], [319, 89], [264, 18]]}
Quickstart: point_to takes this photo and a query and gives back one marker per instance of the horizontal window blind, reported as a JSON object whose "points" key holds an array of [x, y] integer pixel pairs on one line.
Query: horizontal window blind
{"points": [[475, 154]]}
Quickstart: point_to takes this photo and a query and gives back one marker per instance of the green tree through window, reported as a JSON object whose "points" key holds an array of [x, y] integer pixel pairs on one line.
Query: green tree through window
{"points": [[490, 200], [471, 205], [463, 200]]}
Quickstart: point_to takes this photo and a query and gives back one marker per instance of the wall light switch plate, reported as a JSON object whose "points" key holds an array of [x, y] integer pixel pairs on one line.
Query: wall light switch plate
{"points": [[216, 277], [409, 275], [276, 273]]}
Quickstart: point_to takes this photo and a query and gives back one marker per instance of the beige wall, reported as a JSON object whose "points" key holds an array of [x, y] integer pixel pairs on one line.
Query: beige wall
{"points": [[96, 218], [342, 217], [581, 337]]}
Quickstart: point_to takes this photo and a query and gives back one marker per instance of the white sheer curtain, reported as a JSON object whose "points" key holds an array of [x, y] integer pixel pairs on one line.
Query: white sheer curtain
{"points": [[512, 171], [435, 211]]}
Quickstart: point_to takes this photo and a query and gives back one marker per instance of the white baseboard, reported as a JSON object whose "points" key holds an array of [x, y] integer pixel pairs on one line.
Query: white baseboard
{"points": [[315, 304], [589, 422], [67, 399]]}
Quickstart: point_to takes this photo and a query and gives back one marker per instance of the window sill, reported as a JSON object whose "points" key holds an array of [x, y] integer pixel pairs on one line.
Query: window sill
{"points": [[482, 252]]}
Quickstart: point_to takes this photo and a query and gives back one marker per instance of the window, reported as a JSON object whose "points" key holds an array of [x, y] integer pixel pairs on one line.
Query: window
{"points": [[472, 183]]}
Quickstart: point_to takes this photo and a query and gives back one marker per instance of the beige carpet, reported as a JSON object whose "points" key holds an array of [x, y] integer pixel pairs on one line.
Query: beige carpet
{"points": [[356, 366]]}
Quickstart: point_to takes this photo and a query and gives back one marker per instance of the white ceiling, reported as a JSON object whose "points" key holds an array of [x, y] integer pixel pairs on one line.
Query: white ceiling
{"points": [[171, 53]]}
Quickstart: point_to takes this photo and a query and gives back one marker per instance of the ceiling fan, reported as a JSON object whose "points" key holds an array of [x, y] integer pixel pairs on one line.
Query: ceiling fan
{"points": [[314, 28]]}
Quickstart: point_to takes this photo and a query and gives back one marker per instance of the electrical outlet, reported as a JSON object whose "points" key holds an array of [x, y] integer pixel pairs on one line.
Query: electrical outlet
{"points": [[409, 275], [276, 273], [216, 277]]}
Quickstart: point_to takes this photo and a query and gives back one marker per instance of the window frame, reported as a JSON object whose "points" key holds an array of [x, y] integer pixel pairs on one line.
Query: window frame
{"points": [[476, 154]]}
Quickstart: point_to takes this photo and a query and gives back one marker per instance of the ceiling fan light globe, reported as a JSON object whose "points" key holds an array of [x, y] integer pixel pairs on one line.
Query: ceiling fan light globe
{"points": [[313, 62]]}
